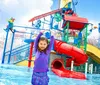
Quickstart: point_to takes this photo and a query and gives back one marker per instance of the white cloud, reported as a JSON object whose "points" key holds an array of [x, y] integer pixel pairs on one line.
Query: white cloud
{"points": [[10, 2], [95, 23], [95, 35], [39, 8], [23, 10], [94, 31]]}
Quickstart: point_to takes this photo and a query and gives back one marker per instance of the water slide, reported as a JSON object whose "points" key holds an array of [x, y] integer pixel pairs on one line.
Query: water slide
{"points": [[77, 55], [25, 62], [93, 52]]}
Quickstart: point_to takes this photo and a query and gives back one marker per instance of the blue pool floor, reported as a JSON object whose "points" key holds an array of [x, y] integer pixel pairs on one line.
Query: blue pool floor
{"points": [[18, 75]]}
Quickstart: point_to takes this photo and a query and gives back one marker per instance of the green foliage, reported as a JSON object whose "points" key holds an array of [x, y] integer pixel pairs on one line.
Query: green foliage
{"points": [[58, 17]]}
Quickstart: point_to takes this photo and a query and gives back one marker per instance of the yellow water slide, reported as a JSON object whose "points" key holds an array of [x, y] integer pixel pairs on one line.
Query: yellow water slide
{"points": [[25, 62], [93, 52], [64, 3]]}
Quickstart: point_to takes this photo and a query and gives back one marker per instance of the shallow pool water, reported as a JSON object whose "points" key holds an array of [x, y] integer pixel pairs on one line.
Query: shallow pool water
{"points": [[19, 75]]}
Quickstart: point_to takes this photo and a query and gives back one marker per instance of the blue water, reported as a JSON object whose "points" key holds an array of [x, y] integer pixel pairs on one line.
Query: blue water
{"points": [[18, 75]]}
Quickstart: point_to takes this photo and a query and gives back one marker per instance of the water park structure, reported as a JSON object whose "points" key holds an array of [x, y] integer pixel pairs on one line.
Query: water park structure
{"points": [[73, 53]]}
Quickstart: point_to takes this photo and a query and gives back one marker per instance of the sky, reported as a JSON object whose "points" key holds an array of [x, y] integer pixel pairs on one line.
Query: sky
{"points": [[89, 9], [23, 10]]}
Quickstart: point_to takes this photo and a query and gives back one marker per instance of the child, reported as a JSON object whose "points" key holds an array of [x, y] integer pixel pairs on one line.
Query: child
{"points": [[42, 49]]}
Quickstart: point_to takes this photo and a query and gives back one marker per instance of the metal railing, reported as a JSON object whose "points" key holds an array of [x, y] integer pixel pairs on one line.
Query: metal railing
{"points": [[18, 54]]}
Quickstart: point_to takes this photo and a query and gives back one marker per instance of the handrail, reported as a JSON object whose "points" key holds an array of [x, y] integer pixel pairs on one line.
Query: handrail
{"points": [[18, 47], [17, 50]]}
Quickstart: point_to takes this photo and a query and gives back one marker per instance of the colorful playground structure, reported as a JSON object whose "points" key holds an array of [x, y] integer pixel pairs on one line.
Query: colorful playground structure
{"points": [[72, 49]]}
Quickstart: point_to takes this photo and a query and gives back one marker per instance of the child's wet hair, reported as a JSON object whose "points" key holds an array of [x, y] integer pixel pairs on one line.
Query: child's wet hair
{"points": [[43, 38]]}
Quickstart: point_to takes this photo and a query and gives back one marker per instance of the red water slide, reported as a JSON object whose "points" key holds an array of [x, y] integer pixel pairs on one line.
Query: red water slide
{"points": [[76, 54]]}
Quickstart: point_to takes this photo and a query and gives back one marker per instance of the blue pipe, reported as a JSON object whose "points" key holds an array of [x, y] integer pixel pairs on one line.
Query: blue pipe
{"points": [[31, 35], [19, 52], [23, 26], [46, 20], [18, 48], [28, 27], [16, 51], [99, 28], [3, 57], [23, 32], [59, 30], [45, 23], [11, 47], [51, 22]]}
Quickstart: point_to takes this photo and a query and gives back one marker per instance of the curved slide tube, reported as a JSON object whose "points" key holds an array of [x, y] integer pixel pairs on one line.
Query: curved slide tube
{"points": [[58, 68], [78, 56]]}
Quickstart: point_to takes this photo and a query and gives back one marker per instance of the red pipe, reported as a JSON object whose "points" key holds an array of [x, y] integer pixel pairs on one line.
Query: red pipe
{"points": [[76, 54], [58, 68], [44, 15], [30, 56]]}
